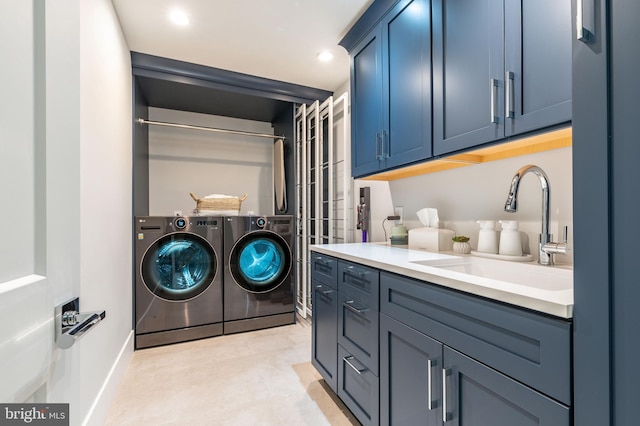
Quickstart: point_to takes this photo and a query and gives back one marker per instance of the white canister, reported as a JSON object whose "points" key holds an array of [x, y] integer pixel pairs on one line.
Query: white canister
{"points": [[510, 242], [488, 237]]}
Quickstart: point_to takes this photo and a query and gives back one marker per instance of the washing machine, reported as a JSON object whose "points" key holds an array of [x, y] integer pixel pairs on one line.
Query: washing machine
{"points": [[258, 281], [178, 279]]}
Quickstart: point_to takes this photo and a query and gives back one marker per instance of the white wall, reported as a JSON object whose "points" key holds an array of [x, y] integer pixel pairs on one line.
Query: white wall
{"points": [[343, 88], [105, 194], [478, 192], [183, 161]]}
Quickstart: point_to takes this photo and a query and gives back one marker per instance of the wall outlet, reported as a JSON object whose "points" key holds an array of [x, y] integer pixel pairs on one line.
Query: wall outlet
{"points": [[397, 211]]}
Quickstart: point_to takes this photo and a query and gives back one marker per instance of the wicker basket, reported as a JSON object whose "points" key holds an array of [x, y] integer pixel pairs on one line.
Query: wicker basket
{"points": [[218, 204]]}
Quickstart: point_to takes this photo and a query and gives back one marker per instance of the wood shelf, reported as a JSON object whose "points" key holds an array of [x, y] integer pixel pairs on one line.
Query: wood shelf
{"points": [[541, 142]]}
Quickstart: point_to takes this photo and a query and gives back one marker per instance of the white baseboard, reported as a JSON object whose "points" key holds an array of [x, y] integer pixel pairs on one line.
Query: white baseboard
{"points": [[100, 408]]}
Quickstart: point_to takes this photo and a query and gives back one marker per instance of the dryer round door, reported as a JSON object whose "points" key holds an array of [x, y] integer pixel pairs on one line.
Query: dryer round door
{"points": [[179, 266], [260, 261]]}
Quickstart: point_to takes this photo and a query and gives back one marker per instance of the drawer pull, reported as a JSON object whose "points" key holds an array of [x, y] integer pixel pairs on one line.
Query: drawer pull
{"points": [[319, 260], [349, 305], [355, 273], [325, 292], [347, 358]]}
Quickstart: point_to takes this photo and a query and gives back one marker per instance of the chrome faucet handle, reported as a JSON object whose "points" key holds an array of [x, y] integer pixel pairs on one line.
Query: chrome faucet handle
{"points": [[558, 248]]}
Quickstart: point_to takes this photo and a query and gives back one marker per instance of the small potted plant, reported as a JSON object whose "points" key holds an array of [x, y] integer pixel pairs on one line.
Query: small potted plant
{"points": [[461, 244]]}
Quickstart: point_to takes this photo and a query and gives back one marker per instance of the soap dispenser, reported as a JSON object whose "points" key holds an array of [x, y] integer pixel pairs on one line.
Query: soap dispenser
{"points": [[510, 242], [488, 237]]}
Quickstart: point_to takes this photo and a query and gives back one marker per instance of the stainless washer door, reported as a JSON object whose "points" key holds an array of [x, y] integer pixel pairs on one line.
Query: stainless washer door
{"points": [[260, 261], [179, 266]]}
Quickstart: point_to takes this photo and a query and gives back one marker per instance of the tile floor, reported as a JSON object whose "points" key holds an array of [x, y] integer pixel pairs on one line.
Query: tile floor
{"points": [[257, 378]]}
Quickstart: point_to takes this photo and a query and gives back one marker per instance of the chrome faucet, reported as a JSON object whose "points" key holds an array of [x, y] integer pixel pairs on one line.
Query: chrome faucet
{"points": [[546, 248]]}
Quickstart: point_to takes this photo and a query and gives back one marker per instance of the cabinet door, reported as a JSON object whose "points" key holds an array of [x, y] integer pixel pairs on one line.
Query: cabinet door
{"points": [[476, 395], [468, 73], [406, 83], [324, 342], [538, 64], [410, 376], [366, 105]]}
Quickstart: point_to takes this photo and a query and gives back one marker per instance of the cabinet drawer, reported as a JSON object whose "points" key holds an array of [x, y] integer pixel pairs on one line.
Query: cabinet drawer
{"points": [[532, 348], [324, 269], [359, 282], [358, 388], [358, 330]]}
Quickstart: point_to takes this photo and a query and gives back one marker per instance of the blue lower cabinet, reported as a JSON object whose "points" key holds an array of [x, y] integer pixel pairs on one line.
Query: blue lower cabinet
{"points": [[476, 395], [410, 376], [324, 334], [358, 388], [434, 356]]}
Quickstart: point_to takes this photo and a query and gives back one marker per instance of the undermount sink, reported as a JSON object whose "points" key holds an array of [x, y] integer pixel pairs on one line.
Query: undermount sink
{"points": [[525, 274]]}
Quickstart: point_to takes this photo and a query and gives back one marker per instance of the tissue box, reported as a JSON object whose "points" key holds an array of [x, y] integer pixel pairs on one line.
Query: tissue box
{"points": [[431, 239]]}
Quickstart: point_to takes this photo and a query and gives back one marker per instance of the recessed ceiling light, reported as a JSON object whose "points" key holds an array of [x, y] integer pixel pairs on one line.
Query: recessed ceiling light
{"points": [[179, 17], [325, 56]]}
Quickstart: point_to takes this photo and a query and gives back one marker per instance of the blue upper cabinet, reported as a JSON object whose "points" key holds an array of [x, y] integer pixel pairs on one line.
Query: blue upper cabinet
{"points": [[366, 109], [538, 64], [392, 66], [500, 68], [406, 77], [468, 70]]}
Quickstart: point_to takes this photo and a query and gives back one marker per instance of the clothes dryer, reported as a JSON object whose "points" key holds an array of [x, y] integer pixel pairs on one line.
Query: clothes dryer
{"points": [[178, 279], [258, 280]]}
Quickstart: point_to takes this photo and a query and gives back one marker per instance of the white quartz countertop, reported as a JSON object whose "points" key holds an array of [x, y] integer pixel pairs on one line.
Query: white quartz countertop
{"points": [[543, 294]]}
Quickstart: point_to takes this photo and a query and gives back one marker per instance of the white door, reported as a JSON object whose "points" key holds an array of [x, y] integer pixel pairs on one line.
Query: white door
{"points": [[26, 312], [65, 201]]}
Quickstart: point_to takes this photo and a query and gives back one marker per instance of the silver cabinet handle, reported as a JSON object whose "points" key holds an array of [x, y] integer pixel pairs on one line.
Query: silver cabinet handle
{"points": [[429, 397], [325, 292], [354, 272], [347, 358], [508, 78], [378, 155], [494, 88], [585, 20], [445, 414], [320, 261], [349, 305], [382, 145]]}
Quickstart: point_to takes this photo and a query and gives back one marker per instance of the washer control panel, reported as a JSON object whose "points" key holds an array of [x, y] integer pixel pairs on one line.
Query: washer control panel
{"points": [[261, 222]]}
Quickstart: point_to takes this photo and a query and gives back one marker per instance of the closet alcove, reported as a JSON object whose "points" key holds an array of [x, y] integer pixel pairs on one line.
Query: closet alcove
{"points": [[179, 86]]}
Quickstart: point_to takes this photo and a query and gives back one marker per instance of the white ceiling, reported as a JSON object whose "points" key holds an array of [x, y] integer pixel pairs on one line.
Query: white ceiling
{"points": [[276, 39]]}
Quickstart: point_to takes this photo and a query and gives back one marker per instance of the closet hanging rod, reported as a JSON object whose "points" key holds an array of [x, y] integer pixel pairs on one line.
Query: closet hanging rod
{"points": [[208, 129]]}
